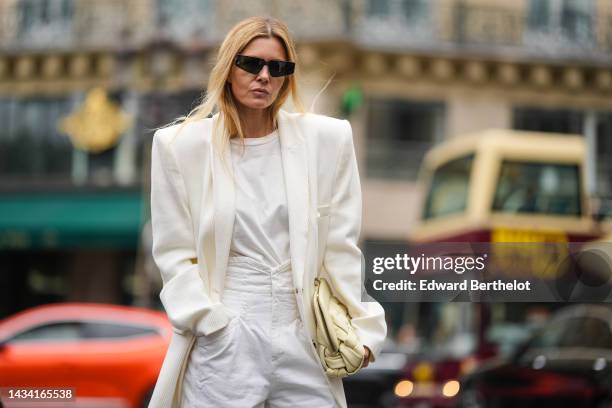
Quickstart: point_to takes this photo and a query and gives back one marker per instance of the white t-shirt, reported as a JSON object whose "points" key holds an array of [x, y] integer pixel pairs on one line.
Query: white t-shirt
{"points": [[261, 226]]}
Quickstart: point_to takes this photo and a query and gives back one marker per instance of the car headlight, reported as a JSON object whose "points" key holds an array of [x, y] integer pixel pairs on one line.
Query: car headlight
{"points": [[403, 388], [451, 388]]}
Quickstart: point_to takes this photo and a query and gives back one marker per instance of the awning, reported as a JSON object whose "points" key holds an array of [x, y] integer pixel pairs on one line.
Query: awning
{"points": [[70, 220]]}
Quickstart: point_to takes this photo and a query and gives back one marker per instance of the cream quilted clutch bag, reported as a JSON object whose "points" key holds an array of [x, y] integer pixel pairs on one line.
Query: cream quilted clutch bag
{"points": [[339, 348]]}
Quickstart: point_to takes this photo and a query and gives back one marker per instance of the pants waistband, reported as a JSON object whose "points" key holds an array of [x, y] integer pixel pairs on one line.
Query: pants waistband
{"points": [[246, 274], [254, 264]]}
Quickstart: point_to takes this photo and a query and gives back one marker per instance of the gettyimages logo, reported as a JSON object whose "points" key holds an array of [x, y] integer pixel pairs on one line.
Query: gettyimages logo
{"points": [[457, 263]]}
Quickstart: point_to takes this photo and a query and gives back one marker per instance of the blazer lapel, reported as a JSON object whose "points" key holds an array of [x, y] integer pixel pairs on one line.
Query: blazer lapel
{"points": [[224, 204], [295, 171]]}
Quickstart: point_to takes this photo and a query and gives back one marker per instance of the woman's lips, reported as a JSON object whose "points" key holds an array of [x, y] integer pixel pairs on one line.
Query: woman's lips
{"points": [[260, 92]]}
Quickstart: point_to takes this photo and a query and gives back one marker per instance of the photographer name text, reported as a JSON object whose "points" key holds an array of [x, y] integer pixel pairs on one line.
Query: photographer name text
{"points": [[466, 284]]}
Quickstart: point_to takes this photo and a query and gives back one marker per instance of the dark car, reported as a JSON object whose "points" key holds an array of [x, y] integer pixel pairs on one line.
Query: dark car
{"points": [[369, 388], [568, 363]]}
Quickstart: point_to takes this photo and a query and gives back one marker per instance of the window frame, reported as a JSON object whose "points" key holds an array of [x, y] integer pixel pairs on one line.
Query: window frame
{"points": [[426, 214], [81, 322], [512, 161]]}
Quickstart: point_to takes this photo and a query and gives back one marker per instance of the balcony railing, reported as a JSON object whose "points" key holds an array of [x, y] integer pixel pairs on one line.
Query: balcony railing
{"points": [[401, 24], [489, 29], [119, 23], [104, 24], [486, 25]]}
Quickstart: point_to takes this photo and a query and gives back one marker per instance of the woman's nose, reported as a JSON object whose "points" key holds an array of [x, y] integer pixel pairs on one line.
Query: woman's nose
{"points": [[264, 73]]}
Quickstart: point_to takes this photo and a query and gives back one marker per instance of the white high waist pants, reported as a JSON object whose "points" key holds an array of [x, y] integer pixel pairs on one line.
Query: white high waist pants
{"points": [[262, 358]]}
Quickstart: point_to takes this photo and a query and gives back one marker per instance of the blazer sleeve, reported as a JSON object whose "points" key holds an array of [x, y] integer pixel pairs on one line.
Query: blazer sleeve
{"points": [[184, 293], [343, 258]]}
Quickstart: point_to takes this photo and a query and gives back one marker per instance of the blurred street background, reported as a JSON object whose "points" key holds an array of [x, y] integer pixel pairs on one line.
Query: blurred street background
{"points": [[83, 83]]}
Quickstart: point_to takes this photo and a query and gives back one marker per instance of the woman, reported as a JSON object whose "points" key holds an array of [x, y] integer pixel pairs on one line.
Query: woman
{"points": [[248, 207]]}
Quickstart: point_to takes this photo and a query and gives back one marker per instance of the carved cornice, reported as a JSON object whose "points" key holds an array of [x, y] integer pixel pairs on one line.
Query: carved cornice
{"points": [[171, 69]]}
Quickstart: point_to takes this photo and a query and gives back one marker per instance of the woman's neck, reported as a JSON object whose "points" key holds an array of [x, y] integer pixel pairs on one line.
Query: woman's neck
{"points": [[255, 122]]}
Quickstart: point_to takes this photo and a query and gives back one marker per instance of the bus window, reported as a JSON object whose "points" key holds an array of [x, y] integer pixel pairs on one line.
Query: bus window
{"points": [[449, 188], [538, 188]]}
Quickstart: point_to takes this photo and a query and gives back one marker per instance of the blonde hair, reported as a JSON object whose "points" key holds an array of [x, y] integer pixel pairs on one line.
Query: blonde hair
{"points": [[219, 96]]}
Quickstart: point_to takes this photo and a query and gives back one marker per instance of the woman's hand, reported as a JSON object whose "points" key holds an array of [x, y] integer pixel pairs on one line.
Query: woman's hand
{"points": [[366, 360]]}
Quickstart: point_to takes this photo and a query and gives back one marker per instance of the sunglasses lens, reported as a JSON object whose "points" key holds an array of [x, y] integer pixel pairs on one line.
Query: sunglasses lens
{"points": [[250, 64], [281, 68]]}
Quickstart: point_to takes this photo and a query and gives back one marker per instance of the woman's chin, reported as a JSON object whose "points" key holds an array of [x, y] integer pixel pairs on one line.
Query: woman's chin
{"points": [[257, 104]]}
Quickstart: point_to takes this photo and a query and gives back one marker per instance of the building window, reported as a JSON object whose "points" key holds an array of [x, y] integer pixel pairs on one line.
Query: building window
{"points": [[576, 16], [399, 134], [604, 154], [570, 18], [30, 144], [37, 17], [548, 120], [414, 10], [377, 8], [409, 10], [184, 18], [34, 150], [539, 15]]}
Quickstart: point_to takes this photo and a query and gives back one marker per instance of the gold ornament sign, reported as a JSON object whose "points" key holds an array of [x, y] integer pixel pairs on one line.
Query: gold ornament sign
{"points": [[97, 125]]}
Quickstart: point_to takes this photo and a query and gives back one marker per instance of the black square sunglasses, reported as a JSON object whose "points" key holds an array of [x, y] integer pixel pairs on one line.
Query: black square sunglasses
{"points": [[253, 65]]}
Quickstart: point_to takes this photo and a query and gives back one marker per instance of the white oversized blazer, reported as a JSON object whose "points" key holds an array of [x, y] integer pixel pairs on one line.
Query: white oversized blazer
{"points": [[192, 215]]}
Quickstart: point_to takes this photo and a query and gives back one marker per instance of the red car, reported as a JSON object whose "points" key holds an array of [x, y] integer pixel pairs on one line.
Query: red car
{"points": [[109, 355], [568, 363]]}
